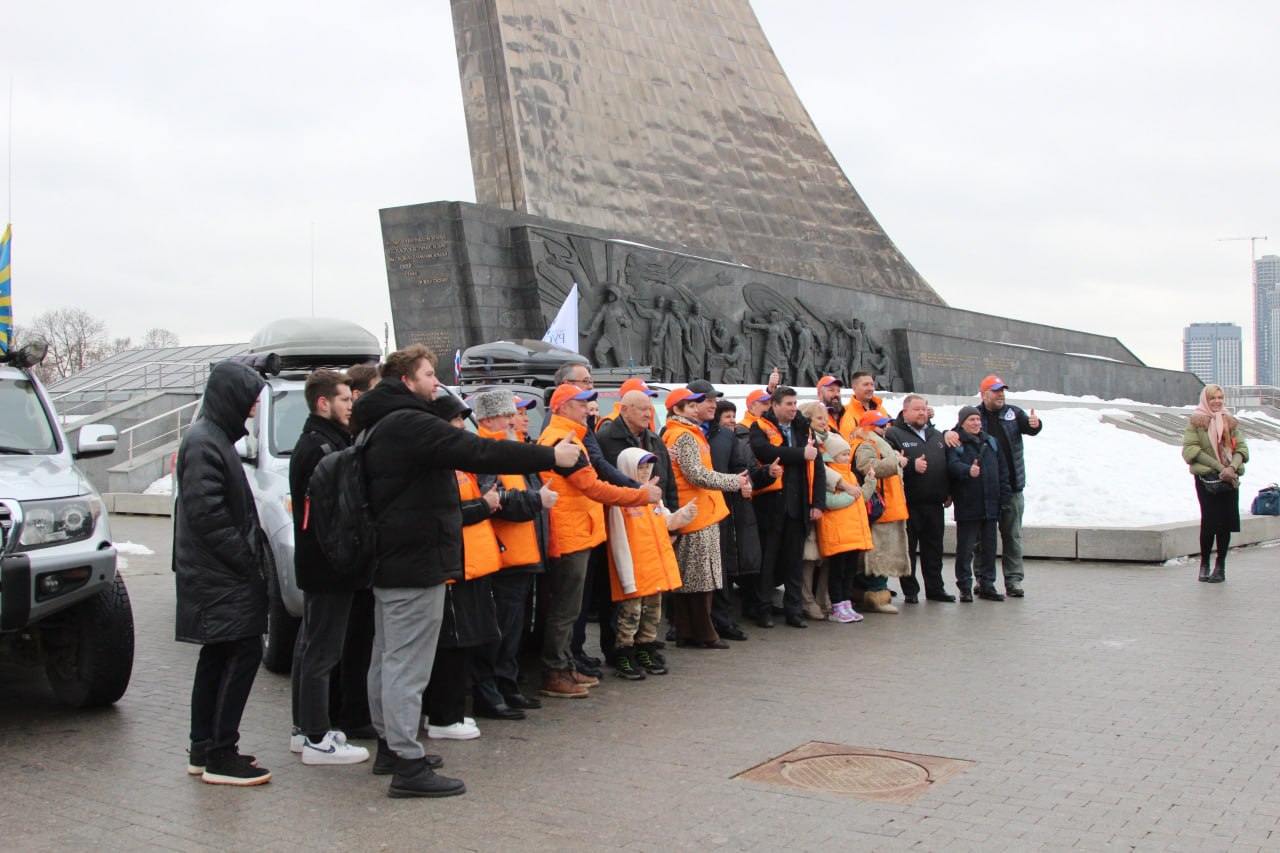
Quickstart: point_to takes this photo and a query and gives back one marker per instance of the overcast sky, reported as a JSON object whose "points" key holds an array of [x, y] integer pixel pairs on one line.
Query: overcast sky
{"points": [[173, 164]]}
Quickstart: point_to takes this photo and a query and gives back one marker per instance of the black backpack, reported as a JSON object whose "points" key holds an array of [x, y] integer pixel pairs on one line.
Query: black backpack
{"points": [[338, 512]]}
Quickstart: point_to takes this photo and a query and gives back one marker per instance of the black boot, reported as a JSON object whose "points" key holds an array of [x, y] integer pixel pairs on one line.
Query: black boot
{"points": [[626, 665], [1204, 567], [384, 763], [413, 778], [1219, 573]]}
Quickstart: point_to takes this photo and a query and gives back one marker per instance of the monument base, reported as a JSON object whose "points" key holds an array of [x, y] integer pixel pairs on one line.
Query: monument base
{"points": [[463, 274]]}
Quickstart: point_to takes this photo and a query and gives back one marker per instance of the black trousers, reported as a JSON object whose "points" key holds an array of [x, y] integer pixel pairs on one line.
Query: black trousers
{"points": [[224, 677], [722, 604], [495, 667], [924, 544], [316, 654], [445, 700], [598, 598], [352, 696], [783, 543], [841, 569]]}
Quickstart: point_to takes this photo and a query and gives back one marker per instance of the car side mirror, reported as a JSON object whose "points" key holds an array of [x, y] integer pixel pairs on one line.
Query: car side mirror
{"points": [[95, 440], [247, 448]]}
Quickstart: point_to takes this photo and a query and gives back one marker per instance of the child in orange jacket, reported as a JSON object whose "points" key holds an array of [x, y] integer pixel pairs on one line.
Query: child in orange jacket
{"points": [[642, 566]]}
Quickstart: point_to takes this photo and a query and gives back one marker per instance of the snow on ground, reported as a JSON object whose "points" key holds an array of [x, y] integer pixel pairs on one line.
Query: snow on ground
{"points": [[1085, 473], [163, 486], [133, 548]]}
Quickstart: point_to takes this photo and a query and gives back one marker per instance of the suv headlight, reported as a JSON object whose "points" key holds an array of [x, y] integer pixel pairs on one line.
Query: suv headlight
{"points": [[56, 522]]}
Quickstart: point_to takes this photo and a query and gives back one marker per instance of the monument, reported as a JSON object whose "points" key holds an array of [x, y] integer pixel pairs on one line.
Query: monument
{"points": [[655, 154]]}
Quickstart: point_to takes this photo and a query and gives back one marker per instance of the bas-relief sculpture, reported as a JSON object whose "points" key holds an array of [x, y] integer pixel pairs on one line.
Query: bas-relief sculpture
{"points": [[687, 318]]}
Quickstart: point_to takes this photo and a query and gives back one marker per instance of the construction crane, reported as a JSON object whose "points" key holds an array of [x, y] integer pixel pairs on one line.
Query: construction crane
{"points": [[1253, 243]]}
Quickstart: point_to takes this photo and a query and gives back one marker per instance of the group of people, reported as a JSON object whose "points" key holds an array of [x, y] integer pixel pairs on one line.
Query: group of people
{"points": [[827, 499]]}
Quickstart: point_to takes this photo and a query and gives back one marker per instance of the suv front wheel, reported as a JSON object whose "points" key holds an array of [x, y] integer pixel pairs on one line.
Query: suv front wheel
{"points": [[90, 651]]}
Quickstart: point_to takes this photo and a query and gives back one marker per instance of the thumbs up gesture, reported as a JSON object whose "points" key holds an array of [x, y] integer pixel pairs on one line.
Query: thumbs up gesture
{"points": [[974, 470], [548, 496], [810, 452], [922, 464], [492, 499], [655, 493], [1033, 419], [744, 484], [775, 469], [567, 454]]}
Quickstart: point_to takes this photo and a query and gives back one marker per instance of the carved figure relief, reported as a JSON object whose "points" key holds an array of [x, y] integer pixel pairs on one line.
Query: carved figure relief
{"points": [[641, 307]]}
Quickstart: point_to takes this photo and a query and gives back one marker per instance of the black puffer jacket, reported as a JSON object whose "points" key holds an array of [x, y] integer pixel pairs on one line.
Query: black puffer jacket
{"points": [[1007, 427], [320, 436], [412, 487], [218, 546]]}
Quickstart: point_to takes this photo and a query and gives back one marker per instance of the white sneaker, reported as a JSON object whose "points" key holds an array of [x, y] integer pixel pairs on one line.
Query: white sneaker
{"points": [[465, 730], [296, 740], [333, 749]]}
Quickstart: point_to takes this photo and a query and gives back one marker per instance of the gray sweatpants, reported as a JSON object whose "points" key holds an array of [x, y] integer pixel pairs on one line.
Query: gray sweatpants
{"points": [[406, 625]]}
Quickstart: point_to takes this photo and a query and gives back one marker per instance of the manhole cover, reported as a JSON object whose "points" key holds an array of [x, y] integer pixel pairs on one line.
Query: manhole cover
{"points": [[855, 774], [868, 774]]}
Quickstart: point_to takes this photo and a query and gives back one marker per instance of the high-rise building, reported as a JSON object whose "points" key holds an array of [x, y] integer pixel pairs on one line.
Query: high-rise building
{"points": [[1212, 352], [1266, 346]]}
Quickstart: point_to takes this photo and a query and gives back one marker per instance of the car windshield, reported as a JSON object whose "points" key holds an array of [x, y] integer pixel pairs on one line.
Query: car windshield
{"points": [[288, 414], [24, 423]]}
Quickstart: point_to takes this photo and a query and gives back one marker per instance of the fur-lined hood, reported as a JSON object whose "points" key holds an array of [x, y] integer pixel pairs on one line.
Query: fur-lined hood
{"points": [[1201, 421]]}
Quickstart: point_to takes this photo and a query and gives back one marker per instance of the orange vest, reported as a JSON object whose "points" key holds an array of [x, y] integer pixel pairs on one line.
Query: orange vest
{"points": [[482, 555], [774, 435], [890, 489], [847, 528], [747, 419], [519, 538], [853, 412], [652, 558], [577, 521], [711, 504]]}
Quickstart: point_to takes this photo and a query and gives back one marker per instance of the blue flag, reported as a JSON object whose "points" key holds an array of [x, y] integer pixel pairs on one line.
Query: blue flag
{"points": [[6, 298]]}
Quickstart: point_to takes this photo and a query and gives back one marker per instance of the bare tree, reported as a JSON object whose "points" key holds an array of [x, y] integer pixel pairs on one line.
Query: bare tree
{"points": [[75, 337], [159, 339]]}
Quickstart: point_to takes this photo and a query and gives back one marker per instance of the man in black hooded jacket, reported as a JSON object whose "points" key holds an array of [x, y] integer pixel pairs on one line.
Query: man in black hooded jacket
{"points": [[218, 555], [410, 461]]}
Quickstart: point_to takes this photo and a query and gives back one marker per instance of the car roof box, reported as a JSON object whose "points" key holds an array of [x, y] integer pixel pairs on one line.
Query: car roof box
{"points": [[501, 362], [316, 342]]}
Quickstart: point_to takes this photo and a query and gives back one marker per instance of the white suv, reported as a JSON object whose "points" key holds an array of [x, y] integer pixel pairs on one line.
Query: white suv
{"points": [[62, 604]]}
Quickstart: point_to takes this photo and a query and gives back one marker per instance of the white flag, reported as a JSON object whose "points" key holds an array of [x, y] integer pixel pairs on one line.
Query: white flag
{"points": [[563, 331]]}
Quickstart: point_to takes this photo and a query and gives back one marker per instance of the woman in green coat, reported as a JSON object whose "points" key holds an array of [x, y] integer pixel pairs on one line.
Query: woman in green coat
{"points": [[1215, 452]]}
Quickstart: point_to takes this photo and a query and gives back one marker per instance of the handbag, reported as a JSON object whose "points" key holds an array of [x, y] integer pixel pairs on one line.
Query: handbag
{"points": [[1267, 502], [875, 507], [1214, 484]]}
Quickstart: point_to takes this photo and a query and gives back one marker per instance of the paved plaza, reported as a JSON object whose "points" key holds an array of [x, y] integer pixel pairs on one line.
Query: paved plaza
{"points": [[1116, 707]]}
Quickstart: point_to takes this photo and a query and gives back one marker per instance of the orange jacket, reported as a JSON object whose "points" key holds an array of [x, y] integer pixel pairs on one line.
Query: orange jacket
{"points": [[711, 504], [847, 528], [518, 538], [653, 561], [774, 435], [577, 519], [481, 553], [890, 488], [854, 411]]}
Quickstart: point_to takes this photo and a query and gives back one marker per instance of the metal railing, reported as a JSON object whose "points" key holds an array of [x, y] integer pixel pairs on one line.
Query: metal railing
{"points": [[153, 375], [1253, 396], [174, 434]]}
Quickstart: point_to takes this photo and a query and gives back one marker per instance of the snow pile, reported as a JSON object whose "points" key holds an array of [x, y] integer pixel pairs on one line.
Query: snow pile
{"points": [[1082, 472], [132, 548], [163, 486]]}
